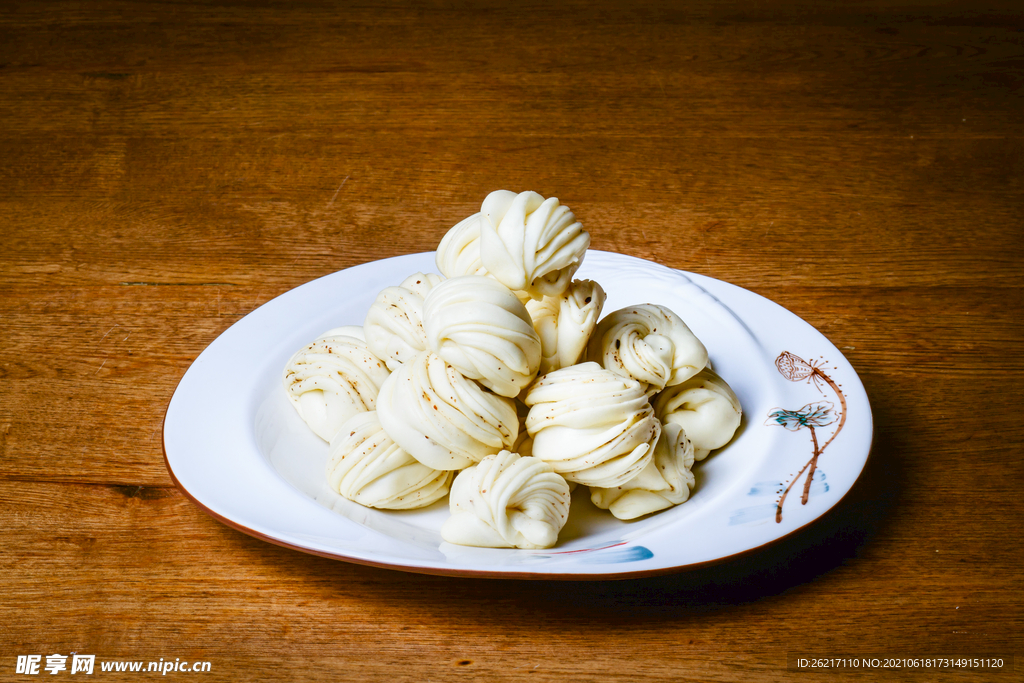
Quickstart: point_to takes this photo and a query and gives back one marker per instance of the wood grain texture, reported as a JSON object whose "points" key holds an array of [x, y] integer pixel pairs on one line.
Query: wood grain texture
{"points": [[167, 168]]}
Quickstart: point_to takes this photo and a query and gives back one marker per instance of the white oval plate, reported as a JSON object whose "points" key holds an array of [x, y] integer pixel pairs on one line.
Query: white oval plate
{"points": [[236, 447]]}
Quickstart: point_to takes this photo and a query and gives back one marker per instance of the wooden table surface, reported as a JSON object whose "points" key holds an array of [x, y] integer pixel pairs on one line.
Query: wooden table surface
{"points": [[166, 168]]}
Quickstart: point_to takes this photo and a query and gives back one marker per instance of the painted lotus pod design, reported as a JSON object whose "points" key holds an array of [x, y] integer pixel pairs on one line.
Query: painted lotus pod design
{"points": [[529, 243], [394, 324], [507, 501], [334, 378], [368, 467], [812, 416]]}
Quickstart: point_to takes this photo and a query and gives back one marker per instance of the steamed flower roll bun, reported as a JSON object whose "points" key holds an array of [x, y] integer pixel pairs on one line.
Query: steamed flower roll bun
{"points": [[394, 324], [565, 323], [592, 426], [368, 467], [529, 243], [648, 343], [507, 501], [334, 378], [459, 250], [441, 418], [480, 328], [705, 406], [666, 481]]}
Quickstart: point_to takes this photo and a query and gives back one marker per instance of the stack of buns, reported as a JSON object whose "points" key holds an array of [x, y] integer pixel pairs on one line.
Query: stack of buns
{"points": [[498, 385]]}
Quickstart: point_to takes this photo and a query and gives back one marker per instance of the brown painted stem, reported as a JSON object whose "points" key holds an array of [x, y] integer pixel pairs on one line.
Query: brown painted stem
{"points": [[778, 506], [842, 404], [813, 464]]}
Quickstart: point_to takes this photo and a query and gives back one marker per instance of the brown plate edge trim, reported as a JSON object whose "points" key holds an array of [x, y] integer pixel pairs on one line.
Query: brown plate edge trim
{"points": [[482, 574]]}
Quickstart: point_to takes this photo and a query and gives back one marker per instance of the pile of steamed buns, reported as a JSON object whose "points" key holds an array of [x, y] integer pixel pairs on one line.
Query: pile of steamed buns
{"points": [[497, 386]]}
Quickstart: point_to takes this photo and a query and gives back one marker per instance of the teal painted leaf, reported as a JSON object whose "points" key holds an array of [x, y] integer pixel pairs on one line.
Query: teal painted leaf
{"points": [[818, 414]]}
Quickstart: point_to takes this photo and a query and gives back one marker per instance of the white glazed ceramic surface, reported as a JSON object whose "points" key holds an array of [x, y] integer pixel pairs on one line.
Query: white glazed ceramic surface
{"points": [[247, 458]]}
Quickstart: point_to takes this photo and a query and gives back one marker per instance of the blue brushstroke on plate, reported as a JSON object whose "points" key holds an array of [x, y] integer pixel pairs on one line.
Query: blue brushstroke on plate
{"points": [[757, 513], [766, 488], [634, 553], [775, 488]]}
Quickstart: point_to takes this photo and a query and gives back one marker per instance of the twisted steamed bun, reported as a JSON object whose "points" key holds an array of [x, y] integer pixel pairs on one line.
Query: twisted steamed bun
{"points": [[480, 328], [591, 425], [648, 343], [332, 379], [529, 243], [442, 419], [566, 322], [502, 369], [666, 481], [394, 323], [459, 250], [507, 501], [368, 467], [705, 406]]}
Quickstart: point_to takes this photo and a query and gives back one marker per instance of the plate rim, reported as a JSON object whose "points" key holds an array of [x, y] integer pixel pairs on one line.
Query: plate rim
{"points": [[512, 574], [528, 576]]}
